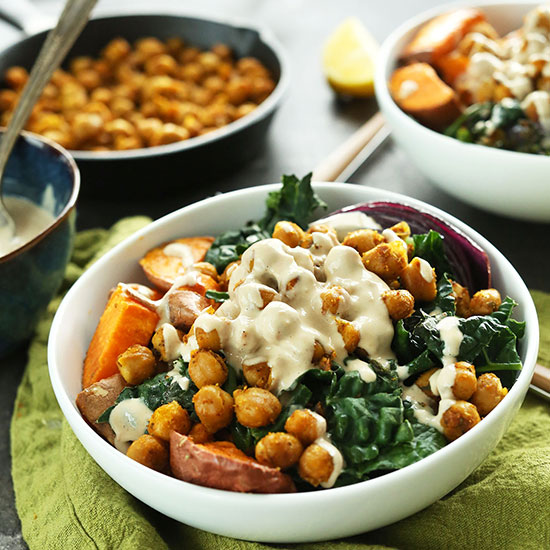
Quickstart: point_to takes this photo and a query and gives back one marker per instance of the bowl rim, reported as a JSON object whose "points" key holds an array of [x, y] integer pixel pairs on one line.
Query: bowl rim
{"points": [[389, 60], [263, 110], [59, 151], [78, 423]]}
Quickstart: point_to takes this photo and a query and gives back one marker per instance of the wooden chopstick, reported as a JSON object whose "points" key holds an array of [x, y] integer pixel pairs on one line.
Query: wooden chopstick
{"points": [[336, 162], [355, 149]]}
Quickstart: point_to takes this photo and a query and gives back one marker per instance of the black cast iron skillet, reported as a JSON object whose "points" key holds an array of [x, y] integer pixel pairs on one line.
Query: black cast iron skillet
{"points": [[176, 166]]}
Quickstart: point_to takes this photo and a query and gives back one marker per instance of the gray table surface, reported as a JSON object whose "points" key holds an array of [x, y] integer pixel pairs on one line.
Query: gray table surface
{"points": [[310, 124]]}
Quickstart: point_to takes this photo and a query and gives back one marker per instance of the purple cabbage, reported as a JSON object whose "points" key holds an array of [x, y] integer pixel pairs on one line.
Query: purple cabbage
{"points": [[470, 264]]}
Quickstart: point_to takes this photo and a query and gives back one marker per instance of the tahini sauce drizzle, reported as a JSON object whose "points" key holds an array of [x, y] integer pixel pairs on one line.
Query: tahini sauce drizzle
{"points": [[283, 332], [30, 220], [129, 421], [442, 381]]}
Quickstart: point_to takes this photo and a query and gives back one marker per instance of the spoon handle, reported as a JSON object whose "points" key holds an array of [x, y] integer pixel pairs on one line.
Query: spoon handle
{"points": [[55, 48]]}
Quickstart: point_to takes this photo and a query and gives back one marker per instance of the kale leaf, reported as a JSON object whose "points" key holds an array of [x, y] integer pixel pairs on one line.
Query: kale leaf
{"points": [[294, 201], [367, 422], [430, 247]]}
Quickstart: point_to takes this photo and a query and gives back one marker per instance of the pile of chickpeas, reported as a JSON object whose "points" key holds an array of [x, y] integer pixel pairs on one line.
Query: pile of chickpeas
{"points": [[255, 406], [152, 93]]}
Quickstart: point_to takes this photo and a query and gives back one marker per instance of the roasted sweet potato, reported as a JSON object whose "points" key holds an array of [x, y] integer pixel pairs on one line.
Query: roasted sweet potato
{"points": [[441, 35], [421, 93], [451, 66], [163, 264], [221, 465], [184, 307], [96, 399], [124, 322]]}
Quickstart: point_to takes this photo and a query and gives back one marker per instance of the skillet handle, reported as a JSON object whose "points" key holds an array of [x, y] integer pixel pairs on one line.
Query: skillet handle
{"points": [[24, 15]]}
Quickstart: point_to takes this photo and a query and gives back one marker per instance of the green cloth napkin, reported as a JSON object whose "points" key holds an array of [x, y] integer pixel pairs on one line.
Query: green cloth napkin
{"points": [[65, 501]]}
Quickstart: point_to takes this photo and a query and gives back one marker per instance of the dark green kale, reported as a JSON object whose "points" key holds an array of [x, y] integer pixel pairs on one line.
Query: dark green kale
{"points": [[430, 247], [368, 422], [217, 296], [503, 125], [489, 342], [294, 201]]}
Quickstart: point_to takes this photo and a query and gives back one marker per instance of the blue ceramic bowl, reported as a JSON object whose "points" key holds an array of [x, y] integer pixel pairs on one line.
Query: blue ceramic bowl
{"points": [[45, 174]]}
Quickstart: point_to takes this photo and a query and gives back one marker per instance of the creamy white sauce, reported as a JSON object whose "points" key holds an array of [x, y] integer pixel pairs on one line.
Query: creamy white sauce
{"points": [[345, 222], [407, 88], [321, 427], [283, 333], [364, 369], [426, 270], [450, 334], [182, 381], [337, 461], [129, 420], [30, 220], [181, 251], [540, 100]]}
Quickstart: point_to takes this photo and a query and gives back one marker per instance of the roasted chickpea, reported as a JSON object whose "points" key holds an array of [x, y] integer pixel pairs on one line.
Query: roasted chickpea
{"points": [[244, 109], [170, 133], [189, 54], [238, 90], [159, 344], [86, 126], [168, 418], [489, 393], [8, 99], [349, 333], [120, 127], [16, 77], [124, 143], [402, 230], [332, 299], [278, 450], [258, 375], [288, 232], [136, 364], [199, 434], [261, 88], [147, 126], [458, 419], [222, 51], [192, 124], [101, 94], [256, 407], [208, 340], [251, 66], [387, 260], [485, 302], [80, 63], [315, 465], [59, 136], [99, 108], [49, 121], [121, 106], [149, 451], [161, 64], [305, 425], [73, 96], [399, 303], [465, 383], [174, 45], [423, 382], [214, 407], [419, 279], [116, 50], [89, 78], [207, 368], [148, 47], [462, 300]]}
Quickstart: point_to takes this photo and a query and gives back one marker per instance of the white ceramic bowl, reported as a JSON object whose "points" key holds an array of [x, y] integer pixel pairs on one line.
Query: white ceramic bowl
{"points": [[504, 182], [287, 517]]}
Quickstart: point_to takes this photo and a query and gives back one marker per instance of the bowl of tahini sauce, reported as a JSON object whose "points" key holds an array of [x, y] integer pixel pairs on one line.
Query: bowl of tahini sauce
{"points": [[40, 188]]}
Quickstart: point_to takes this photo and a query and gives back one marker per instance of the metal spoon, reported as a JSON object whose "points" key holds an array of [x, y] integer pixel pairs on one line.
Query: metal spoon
{"points": [[57, 44]]}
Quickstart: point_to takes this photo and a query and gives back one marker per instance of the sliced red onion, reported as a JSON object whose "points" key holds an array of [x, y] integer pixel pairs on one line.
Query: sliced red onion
{"points": [[470, 263]]}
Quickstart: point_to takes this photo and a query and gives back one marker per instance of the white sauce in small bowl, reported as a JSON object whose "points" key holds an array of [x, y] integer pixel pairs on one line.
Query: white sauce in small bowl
{"points": [[30, 220]]}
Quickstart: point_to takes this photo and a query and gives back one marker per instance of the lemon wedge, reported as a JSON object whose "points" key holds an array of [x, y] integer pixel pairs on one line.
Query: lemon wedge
{"points": [[348, 59]]}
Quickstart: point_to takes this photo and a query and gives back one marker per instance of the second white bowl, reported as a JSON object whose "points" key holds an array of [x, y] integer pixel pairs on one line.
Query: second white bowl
{"points": [[504, 182]]}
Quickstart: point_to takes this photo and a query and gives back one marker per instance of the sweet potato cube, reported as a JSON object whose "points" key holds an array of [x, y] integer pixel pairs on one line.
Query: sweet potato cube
{"points": [[419, 91], [124, 322], [441, 35]]}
